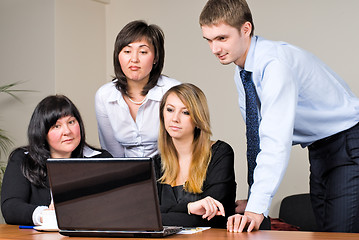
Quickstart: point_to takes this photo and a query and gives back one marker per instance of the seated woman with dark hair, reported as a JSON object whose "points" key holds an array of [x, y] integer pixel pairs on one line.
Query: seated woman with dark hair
{"points": [[196, 182], [56, 130]]}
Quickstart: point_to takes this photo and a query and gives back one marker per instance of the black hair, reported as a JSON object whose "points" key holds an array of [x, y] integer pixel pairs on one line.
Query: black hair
{"points": [[45, 115], [134, 31]]}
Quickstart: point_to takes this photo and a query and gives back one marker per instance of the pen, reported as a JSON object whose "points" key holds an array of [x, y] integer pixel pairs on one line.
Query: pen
{"points": [[26, 227]]}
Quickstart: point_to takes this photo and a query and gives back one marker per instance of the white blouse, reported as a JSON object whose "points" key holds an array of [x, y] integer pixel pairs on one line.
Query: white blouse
{"points": [[119, 134]]}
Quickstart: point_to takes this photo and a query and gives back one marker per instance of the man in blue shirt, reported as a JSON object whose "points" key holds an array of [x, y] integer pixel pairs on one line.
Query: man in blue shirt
{"points": [[299, 100]]}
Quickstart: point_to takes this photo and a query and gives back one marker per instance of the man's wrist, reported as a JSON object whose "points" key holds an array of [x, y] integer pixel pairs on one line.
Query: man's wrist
{"points": [[257, 217]]}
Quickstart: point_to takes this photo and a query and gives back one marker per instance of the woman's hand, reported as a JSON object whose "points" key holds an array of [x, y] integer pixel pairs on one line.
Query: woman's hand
{"points": [[208, 207], [51, 206]]}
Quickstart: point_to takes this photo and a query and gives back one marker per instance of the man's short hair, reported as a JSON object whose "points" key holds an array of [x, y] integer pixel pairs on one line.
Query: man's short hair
{"points": [[232, 12]]}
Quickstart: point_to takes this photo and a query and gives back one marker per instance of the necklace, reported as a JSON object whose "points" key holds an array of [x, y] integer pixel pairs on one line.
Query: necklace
{"points": [[137, 103]]}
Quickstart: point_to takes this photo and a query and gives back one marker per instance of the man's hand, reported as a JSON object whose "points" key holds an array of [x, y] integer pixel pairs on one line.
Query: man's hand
{"points": [[250, 221]]}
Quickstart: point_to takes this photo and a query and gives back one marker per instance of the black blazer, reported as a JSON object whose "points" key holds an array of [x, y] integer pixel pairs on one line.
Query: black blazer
{"points": [[219, 184]]}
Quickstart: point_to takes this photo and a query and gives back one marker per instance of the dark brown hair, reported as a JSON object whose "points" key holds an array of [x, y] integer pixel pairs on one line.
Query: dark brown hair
{"points": [[132, 32], [233, 12]]}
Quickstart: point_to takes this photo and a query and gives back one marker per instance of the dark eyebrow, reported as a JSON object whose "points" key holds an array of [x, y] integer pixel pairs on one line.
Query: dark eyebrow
{"points": [[143, 45], [216, 37], [221, 36]]}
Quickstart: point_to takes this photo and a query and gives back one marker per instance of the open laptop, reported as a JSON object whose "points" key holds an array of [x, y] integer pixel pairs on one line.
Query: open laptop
{"points": [[112, 197]]}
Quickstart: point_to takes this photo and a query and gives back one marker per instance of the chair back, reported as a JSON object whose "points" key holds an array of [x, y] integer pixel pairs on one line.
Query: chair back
{"points": [[297, 210]]}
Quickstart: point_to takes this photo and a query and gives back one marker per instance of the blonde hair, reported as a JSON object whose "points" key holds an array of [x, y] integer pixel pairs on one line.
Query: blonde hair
{"points": [[196, 103]]}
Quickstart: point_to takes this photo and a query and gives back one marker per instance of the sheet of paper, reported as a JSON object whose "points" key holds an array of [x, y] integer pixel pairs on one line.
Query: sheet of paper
{"points": [[193, 230]]}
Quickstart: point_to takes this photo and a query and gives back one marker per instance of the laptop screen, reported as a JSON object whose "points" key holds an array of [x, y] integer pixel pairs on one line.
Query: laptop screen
{"points": [[105, 194]]}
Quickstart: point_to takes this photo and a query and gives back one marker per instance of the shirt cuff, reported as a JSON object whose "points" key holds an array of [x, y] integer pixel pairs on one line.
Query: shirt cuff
{"points": [[259, 204], [36, 215]]}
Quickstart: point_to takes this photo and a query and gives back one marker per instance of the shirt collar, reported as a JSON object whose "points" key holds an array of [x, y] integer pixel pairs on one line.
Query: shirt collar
{"points": [[249, 63], [156, 93], [89, 152], [114, 95]]}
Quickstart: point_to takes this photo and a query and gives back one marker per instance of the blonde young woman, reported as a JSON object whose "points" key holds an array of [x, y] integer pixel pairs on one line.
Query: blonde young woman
{"points": [[196, 182]]}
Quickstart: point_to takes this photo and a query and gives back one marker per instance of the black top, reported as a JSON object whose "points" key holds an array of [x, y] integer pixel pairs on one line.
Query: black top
{"points": [[219, 184], [19, 197]]}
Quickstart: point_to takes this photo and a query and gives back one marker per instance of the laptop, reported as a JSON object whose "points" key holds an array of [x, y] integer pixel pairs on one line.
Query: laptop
{"points": [[106, 197]]}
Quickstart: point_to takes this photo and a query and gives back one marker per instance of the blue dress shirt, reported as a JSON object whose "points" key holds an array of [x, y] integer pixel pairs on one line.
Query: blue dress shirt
{"points": [[301, 100]]}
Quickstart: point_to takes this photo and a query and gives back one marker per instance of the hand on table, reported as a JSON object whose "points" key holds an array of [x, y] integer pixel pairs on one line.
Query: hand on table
{"points": [[250, 221]]}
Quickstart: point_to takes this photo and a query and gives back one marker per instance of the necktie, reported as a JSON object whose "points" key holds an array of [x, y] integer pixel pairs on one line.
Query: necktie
{"points": [[252, 123]]}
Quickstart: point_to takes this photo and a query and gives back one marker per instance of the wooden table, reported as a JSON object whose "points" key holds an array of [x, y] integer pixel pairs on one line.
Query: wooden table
{"points": [[13, 232]]}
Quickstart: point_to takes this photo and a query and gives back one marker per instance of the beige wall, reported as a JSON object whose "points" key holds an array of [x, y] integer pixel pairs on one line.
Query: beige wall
{"points": [[54, 46], [26, 55], [65, 46], [80, 33]]}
